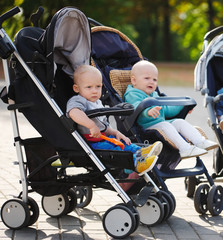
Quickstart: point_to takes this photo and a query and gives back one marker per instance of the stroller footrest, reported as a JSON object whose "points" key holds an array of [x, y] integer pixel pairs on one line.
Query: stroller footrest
{"points": [[143, 195], [197, 170]]}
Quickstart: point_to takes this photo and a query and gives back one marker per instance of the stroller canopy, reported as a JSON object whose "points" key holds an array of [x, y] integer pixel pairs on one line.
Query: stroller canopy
{"points": [[72, 39], [205, 75], [111, 47]]}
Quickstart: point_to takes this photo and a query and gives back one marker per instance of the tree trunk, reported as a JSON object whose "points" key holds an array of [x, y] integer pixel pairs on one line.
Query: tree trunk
{"points": [[166, 31]]}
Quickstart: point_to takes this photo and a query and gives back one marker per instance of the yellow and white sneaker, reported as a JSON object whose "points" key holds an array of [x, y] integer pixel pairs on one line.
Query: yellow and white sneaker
{"points": [[144, 165], [153, 149]]}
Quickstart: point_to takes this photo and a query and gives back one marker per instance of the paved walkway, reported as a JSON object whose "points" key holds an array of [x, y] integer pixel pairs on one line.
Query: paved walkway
{"points": [[185, 223]]}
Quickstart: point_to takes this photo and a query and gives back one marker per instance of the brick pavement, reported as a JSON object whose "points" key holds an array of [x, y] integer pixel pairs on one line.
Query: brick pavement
{"points": [[185, 223]]}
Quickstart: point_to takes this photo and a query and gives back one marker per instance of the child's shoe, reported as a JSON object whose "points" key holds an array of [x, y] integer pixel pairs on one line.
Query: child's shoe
{"points": [[152, 150], [193, 152], [207, 145], [144, 165]]}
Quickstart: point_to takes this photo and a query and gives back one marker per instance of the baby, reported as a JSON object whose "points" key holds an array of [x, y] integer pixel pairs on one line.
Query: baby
{"points": [[144, 77]]}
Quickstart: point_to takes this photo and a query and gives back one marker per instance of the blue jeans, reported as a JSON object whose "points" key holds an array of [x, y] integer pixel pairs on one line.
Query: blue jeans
{"points": [[105, 145]]}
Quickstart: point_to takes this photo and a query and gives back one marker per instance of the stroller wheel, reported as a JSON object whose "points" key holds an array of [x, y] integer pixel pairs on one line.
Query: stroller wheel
{"points": [[136, 214], [152, 212], [84, 195], [55, 206], [33, 210], [200, 198], [215, 200], [174, 202], [15, 214], [119, 221], [169, 198], [72, 198], [190, 185], [217, 161]]}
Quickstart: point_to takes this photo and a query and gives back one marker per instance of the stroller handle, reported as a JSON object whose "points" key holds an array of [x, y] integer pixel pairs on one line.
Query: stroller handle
{"points": [[211, 34], [8, 14]]}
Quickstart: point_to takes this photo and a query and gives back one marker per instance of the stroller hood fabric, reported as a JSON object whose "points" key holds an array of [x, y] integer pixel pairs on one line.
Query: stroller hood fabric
{"points": [[214, 49], [72, 41]]}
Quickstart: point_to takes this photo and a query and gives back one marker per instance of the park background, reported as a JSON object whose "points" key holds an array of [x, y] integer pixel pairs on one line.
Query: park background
{"points": [[168, 32]]}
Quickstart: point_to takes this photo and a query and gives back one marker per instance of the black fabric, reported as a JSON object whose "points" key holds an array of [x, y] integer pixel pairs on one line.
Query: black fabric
{"points": [[42, 117], [215, 75], [28, 46]]}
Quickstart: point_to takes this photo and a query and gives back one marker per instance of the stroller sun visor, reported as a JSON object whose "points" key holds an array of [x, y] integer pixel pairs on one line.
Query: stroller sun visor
{"points": [[109, 44], [72, 40], [215, 48]]}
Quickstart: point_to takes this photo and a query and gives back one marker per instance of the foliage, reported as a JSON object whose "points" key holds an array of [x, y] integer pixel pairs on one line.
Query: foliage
{"points": [[171, 30]]}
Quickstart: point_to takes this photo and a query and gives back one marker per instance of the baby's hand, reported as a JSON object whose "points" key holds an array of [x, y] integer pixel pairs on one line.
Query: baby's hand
{"points": [[121, 136], [95, 132], [154, 112]]}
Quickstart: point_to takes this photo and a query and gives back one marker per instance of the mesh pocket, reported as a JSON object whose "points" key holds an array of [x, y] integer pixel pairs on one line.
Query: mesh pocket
{"points": [[37, 151]]}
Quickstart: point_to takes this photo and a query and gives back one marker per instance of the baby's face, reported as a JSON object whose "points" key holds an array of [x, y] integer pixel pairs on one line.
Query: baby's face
{"points": [[146, 79], [89, 86]]}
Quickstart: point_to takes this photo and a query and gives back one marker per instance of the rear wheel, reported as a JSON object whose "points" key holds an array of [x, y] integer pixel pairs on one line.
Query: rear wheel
{"points": [[55, 206]]}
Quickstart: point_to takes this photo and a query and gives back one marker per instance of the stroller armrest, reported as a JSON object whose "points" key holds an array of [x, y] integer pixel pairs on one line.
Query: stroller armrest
{"points": [[121, 109], [170, 101]]}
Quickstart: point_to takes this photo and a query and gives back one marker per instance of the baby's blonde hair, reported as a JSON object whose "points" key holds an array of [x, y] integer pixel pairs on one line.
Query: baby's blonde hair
{"points": [[83, 69], [139, 64]]}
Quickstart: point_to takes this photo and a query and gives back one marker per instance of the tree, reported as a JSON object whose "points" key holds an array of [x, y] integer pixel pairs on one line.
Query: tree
{"points": [[164, 30]]}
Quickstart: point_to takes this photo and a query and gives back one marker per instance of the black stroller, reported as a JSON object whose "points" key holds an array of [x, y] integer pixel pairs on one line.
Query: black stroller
{"points": [[114, 54], [39, 87], [208, 80]]}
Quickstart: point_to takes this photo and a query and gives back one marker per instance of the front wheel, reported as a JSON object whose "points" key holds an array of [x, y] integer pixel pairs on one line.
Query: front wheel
{"points": [[119, 221], [33, 210], [152, 212], [190, 185], [15, 214], [56, 206], [84, 195], [200, 198]]}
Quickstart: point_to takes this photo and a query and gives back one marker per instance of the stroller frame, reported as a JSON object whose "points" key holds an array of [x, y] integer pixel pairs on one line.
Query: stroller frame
{"points": [[129, 206]]}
